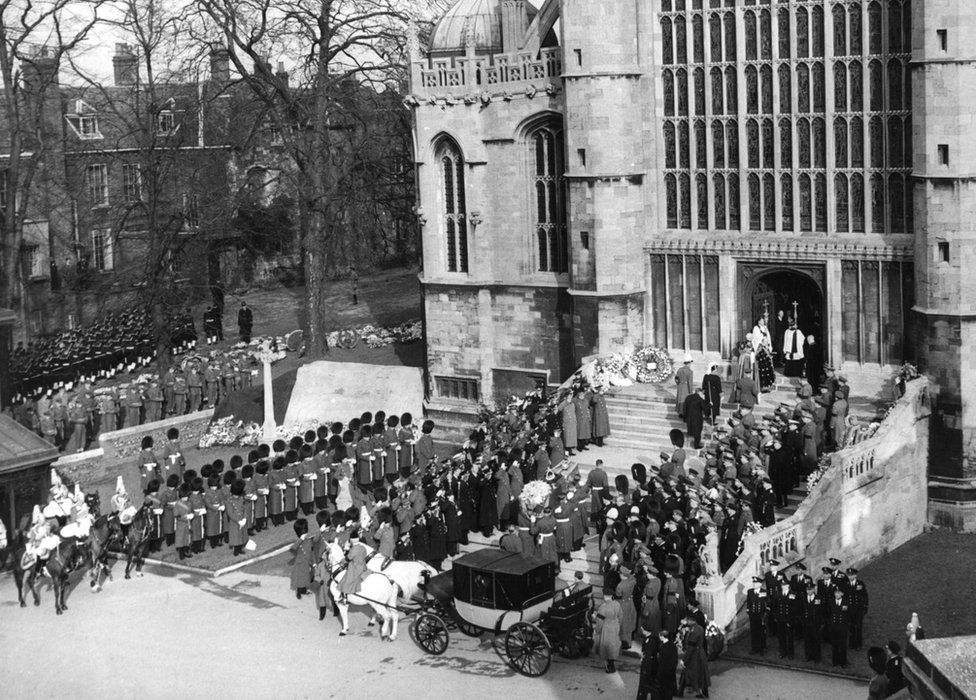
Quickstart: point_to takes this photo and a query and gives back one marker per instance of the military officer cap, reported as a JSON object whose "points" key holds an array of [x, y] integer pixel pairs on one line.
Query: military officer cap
{"points": [[834, 562], [826, 570], [757, 579], [801, 566], [851, 571]]}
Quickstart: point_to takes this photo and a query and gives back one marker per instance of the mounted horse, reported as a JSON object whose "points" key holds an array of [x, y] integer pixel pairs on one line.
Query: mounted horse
{"points": [[68, 556], [137, 543], [376, 591]]}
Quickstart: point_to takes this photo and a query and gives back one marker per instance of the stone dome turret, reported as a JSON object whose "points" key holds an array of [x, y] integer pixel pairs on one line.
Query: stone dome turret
{"points": [[482, 19]]}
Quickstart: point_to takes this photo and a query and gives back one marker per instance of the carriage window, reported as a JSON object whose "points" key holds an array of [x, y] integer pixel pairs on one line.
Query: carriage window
{"points": [[481, 593]]}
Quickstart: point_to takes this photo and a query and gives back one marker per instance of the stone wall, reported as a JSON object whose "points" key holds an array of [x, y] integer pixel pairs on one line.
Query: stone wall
{"points": [[452, 331], [872, 500], [97, 469], [526, 328]]}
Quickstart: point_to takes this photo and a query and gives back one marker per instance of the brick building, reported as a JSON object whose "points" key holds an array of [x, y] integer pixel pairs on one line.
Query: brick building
{"points": [[122, 163], [598, 175]]}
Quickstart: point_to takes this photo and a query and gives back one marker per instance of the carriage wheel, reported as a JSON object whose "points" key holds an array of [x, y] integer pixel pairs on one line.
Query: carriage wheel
{"points": [[528, 649], [430, 633], [469, 629]]}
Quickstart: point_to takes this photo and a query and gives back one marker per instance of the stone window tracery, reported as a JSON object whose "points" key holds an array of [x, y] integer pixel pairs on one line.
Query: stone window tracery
{"points": [[817, 94], [454, 210], [546, 143]]}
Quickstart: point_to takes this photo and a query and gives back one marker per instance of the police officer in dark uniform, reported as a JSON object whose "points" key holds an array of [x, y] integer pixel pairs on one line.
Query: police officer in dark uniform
{"points": [[857, 596], [784, 615], [811, 619], [839, 625], [757, 607]]}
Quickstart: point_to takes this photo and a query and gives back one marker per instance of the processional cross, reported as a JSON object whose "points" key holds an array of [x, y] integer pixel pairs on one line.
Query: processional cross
{"points": [[796, 316]]}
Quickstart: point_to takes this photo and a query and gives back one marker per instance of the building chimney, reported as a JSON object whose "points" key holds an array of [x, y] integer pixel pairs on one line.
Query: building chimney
{"points": [[40, 70], [281, 74], [126, 65], [220, 66]]}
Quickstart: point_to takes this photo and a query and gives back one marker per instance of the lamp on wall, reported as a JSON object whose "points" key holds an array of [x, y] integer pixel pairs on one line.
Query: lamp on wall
{"points": [[474, 218], [421, 217]]}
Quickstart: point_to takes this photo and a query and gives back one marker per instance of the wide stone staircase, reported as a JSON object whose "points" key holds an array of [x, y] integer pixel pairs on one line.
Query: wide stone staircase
{"points": [[641, 418]]}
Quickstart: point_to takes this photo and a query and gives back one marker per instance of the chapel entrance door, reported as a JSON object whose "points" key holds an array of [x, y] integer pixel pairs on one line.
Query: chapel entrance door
{"points": [[779, 293]]}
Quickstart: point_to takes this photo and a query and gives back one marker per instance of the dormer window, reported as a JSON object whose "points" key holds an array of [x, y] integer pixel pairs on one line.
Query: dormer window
{"points": [[84, 121], [166, 123]]}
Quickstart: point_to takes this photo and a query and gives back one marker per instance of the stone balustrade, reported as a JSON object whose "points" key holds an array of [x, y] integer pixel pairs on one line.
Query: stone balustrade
{"points": [[859, 462], [784, 546], [476, 74]]}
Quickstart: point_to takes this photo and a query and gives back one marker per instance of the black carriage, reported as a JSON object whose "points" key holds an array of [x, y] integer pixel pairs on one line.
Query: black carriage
{"points": [[511, 594]]}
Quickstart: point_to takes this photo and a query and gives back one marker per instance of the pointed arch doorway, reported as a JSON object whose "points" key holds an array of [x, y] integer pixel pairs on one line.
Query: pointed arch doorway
{"points": [[780, 293]]}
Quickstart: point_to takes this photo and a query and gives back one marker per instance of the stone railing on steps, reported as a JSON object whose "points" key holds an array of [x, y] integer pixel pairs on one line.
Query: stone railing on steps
{"points": [[871, 499]]}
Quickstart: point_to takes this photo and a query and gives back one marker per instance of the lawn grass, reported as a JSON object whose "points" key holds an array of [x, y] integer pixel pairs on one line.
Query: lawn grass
{"points": [[214, 559]]}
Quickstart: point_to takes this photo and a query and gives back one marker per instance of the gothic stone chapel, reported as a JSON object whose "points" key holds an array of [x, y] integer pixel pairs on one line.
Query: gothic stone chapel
{"points": [[599, 174]]}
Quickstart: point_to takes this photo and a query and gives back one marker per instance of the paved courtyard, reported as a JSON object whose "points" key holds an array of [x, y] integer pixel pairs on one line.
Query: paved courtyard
{"points": [[245, 635]]}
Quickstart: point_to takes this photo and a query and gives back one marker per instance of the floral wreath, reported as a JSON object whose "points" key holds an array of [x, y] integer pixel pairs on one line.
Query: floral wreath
{"points": [[348, 339], [654, 365]]}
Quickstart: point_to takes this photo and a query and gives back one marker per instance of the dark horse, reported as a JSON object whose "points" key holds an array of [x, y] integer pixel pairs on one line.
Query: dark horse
{"points": [[68, 556], [104, 531], [138, 542]]}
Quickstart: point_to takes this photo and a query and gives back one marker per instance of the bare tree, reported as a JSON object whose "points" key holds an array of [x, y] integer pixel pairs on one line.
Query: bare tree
{"points": [[35, 37], [175, 194], [348, 58]]}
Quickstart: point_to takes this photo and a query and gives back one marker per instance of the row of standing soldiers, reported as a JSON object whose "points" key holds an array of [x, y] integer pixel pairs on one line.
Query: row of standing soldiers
{"points": [[76, 417], [830, 610]]}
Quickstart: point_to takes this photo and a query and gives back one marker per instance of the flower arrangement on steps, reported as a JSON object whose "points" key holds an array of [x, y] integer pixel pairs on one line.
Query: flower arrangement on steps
{"points": [[646, 365]]}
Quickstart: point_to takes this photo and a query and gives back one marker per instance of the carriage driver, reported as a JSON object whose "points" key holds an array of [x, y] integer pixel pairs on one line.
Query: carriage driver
{"points": [[123, 506], [355, 570]]}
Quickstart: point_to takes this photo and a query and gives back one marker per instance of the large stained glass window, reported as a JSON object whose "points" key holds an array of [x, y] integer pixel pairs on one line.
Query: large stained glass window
{"points": [[824, 118]]}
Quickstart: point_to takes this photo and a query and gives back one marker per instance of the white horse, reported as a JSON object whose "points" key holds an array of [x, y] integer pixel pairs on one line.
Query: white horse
{"points": [[407, 575], [376, 591]]}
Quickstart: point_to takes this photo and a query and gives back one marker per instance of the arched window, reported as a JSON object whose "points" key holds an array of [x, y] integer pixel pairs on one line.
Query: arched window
{"points": [[718, 144], [667, 42], [840, 142], [842, 202], [671, 194], [840, 30], [755, 203], [546, 144], [787, 210], [840, 87], [719, 182], [857, 86], [454, 211]]}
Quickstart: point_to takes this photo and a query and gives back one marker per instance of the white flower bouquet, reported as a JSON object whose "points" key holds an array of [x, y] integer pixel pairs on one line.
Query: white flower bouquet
{"points": [[535, 494], [223, 431]]}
